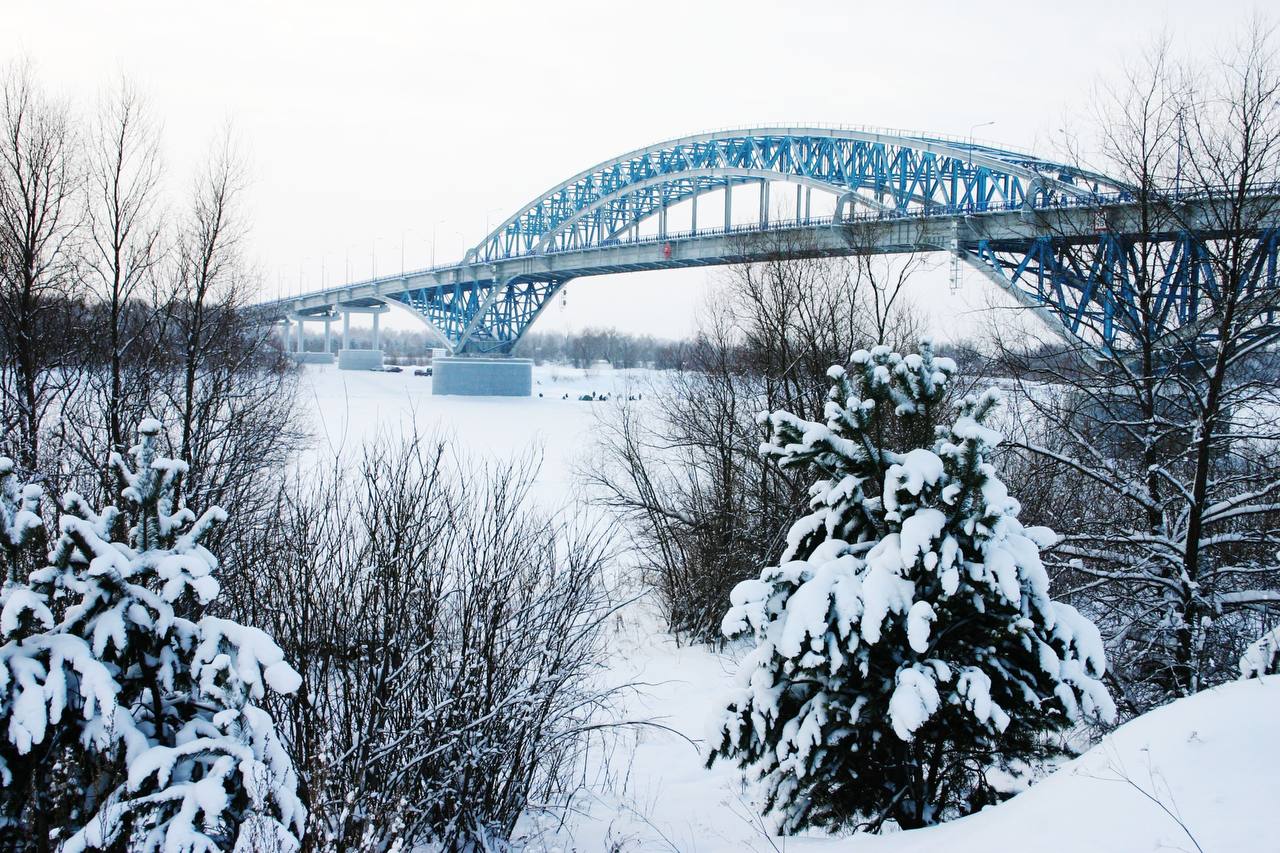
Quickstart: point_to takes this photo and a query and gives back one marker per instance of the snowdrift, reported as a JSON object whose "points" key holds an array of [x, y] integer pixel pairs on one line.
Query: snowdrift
{"points": [[1209, 763]]}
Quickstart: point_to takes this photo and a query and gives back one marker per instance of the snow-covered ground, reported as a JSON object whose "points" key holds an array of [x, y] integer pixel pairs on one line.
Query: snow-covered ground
{"points": [[1201, 774], [348, 408]]}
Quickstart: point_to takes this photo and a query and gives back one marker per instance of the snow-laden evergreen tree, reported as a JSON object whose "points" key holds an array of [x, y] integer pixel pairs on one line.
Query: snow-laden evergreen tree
{"points": [[906, 642], [20, 522], [130, 717]]}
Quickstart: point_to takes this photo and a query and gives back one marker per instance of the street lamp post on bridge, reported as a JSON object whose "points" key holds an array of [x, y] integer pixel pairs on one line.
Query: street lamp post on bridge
{"points": [[972, 139]]}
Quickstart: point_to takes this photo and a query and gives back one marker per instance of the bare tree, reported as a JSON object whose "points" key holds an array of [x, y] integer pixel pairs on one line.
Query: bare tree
{"points": [[231, 389], [210, 270], [39, 182], [1165, 427], [122, 256], [888, 316], [683, 466]]}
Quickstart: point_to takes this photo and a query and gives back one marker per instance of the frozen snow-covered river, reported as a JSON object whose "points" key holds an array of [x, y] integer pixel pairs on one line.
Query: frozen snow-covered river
{"points": [[348, 408]]}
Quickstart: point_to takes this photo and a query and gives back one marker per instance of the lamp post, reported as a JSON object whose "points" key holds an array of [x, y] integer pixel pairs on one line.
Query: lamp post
{"points": [[488, 218], [373, 258], [1177, 178], [433, 240], [971, 137]]}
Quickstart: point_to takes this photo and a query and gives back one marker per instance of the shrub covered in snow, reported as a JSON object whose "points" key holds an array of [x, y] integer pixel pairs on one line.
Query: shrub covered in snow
{"points": [[1262, 657], [132, 719], [906, 642], [450, 637]]}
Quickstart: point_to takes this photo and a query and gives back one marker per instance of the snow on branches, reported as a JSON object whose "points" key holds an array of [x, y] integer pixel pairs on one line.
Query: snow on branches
{"points": [[108, 661], [19, 517], [1262, 657], [906, 641]]}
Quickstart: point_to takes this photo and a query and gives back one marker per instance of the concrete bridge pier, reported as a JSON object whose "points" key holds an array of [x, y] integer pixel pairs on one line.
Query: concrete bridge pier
{"points": [[482, 376], [361, 359], [286, 329], [299, 351]]}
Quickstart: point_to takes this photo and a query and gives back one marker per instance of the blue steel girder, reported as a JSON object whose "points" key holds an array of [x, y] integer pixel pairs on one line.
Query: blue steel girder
{"points": [[1111, 289], [900, 173], [481, 316]]}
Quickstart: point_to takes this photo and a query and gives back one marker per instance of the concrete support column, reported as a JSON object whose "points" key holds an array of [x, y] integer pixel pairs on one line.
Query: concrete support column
{"points": [[299, 352], [799, 188], [764, 202], [694, 224], [662, 221], [728, 206], [808, 202], [369, 358], [328, 334]]}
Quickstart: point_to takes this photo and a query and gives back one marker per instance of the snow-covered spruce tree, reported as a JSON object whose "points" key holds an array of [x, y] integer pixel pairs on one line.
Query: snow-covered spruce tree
{"points": [[130, 717], [20, 523], [906, 643]]}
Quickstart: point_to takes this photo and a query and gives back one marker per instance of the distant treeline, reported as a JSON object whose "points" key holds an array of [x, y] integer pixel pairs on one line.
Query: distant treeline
{"points": [[621, 350], [579, 349]]}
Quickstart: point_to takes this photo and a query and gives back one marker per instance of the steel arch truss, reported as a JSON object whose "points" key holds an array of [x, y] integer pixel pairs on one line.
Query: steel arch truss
{"points": [[1105, 294], [481, 316], [603, 221], [891, 173]]}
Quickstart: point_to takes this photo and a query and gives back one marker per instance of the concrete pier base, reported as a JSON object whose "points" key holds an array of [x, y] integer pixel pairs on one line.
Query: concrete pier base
{"points": [[482, 377], [359, 359]]}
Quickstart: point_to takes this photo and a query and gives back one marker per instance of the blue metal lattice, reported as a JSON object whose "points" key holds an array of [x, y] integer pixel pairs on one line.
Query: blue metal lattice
{"points": [[889, 174]]}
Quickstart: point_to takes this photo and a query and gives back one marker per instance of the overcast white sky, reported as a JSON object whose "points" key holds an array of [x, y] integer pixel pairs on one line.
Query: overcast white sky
{"points": [[371, 122]]}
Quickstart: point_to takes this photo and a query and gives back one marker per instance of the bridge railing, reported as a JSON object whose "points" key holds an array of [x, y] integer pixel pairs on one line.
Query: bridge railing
{"points": [[790, 224], [1094, 200], [879, 130]]}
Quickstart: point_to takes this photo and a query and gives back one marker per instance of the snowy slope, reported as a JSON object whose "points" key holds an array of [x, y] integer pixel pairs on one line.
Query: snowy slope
{"points": [[1211, 761], [1214, 759]]}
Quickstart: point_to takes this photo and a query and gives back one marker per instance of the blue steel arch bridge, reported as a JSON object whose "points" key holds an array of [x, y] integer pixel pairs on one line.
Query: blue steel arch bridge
{"points": [[1059, 238]]}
